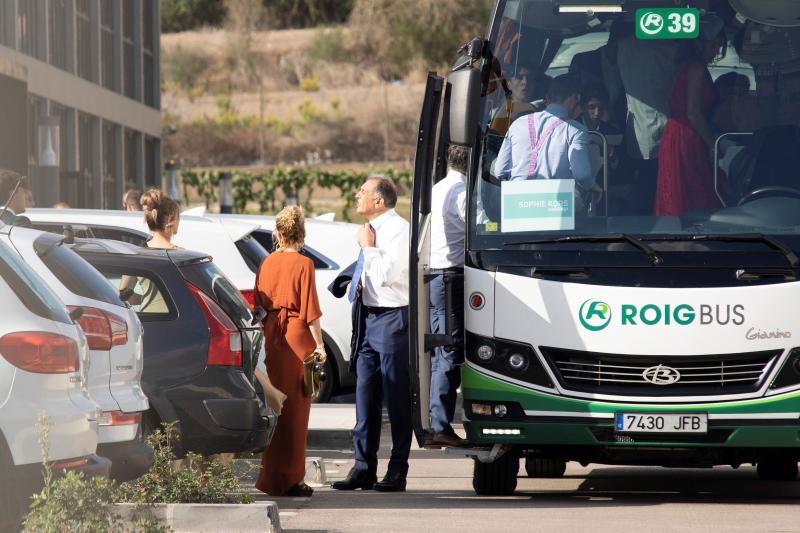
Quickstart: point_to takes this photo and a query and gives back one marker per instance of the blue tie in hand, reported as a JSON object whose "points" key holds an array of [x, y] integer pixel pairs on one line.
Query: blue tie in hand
{"points": [[352, 294]]}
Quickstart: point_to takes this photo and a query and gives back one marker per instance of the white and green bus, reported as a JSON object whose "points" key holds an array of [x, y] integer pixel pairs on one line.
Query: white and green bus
{"points": [[632, 329]]}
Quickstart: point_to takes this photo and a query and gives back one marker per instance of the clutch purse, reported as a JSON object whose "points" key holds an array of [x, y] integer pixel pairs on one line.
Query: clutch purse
{"points": [[311, 374]]}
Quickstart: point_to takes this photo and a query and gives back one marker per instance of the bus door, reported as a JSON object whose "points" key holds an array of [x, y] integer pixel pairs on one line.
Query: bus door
{"points": [[428, 167]]}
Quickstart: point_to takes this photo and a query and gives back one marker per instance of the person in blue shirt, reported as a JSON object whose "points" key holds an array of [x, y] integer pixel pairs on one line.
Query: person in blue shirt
{"points": [[551, 144]]}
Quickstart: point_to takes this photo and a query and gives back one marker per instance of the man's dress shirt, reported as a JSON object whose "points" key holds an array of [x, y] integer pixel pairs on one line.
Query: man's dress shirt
{"points": [[448, 225], [385, 277]]}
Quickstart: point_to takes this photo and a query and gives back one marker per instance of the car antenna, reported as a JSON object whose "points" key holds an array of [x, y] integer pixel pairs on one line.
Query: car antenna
{"points": [[11, 197]]}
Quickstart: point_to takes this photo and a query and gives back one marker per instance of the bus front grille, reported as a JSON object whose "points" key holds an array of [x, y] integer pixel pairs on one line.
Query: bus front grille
{"points": [[636, 375]]}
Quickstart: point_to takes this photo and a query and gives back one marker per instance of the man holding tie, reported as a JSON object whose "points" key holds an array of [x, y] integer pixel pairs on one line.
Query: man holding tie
{"points": [[380, 279]]}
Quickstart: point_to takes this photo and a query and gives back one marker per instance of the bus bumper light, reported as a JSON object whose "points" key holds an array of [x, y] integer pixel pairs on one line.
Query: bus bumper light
{"points": [[481, 409], [501, 431], [500, 410]]}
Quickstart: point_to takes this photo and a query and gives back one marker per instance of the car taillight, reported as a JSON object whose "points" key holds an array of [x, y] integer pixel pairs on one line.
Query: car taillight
{"points": [[225, 342], [118, 418], [102, 329], [41, 352], [249, 297]]}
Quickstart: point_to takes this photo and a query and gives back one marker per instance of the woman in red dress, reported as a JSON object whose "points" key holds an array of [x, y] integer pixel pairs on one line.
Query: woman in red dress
{"points": [[286, 289], [685, 167]]}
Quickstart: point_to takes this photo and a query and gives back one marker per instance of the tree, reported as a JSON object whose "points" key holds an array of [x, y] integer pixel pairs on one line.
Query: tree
{"points": [[306, 13], [183, 15]]}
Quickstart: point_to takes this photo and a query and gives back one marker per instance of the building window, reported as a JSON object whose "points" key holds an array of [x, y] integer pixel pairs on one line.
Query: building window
{"points": [[36, 110], [7, 24], [132, 159], [57, 22], [110, 166], [84, 39], [128, 49], [152, 163], [28, 27], [149, 11], [87, 152], [107, 43]]}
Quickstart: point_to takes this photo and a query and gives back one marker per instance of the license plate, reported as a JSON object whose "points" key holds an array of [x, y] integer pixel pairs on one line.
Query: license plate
{"points": [[661, 423]]}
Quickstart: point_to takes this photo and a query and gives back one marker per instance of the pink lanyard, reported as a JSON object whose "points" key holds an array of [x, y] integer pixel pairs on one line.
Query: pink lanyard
{"points": [[536, 145]]}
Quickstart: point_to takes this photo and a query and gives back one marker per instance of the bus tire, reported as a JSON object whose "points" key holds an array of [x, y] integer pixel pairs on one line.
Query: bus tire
{"points": [[498, 478], [545, 467], [777, 469]]}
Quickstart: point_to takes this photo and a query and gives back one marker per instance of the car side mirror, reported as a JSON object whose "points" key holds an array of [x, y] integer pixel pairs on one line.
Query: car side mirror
{"points": [[76, 313], [465, 103]]}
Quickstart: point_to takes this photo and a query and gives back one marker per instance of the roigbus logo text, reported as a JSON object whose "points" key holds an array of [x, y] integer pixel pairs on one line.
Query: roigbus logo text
{"points": [[596, 315]]}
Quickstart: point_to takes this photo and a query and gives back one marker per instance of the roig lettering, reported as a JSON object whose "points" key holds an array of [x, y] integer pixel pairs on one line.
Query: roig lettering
{"points": [[681, 315]]}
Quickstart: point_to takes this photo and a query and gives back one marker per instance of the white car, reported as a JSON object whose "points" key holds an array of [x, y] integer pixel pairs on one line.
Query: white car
{"points": [[332, 246], [43, 357], [232, 248], [114, 336]]}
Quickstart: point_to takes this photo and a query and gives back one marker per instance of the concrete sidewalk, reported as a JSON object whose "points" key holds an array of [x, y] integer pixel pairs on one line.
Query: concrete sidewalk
{"points": [[330, 426]]}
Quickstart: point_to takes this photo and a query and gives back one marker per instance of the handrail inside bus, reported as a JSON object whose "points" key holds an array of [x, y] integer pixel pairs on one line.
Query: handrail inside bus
{"points": [[716, 160], [605, 168]]}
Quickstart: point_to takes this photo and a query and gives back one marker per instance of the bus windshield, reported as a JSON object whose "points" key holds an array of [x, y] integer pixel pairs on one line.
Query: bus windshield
{"points": [[646, 118]]}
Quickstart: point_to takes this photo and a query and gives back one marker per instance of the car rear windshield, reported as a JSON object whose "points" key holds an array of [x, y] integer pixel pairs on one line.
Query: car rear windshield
{"points": [[30, 288], [210, 279], [79, 276], [252, 252]]}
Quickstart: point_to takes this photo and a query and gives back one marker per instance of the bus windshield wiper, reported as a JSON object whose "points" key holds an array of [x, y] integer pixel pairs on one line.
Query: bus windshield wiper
{"points": [[655, 259], [771, 242]]}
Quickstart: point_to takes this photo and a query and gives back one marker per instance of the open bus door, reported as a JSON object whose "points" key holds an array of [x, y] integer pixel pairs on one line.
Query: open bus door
{"points": [[449, 114], [425, 169]]}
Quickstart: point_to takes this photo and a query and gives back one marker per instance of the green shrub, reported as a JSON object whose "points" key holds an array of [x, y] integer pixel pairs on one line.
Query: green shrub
{"points": [[183, 67], [309, 112], [310, 83], [328, 45], [182, 15], [306, 13]]}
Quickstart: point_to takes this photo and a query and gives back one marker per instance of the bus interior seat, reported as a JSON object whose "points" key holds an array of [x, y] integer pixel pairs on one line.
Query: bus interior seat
{"points": [[770, 157]]}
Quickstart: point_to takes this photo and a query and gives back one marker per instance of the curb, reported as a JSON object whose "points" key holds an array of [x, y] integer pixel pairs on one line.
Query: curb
{"points": [[330, 439]]}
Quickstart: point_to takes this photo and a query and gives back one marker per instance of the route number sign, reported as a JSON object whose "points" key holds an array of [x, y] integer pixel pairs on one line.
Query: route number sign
{"points": [[667, 23]]}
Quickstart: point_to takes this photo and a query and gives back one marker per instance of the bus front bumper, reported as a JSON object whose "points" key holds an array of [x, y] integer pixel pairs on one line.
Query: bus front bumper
{"points": [[549, 420]]}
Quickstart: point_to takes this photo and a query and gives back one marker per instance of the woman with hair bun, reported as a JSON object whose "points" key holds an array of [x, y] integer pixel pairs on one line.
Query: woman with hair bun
{"points": [[286, 289], [162, 215]]}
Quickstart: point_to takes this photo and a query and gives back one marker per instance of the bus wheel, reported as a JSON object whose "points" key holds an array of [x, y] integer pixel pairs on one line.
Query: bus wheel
{"points": [[777, 469], [546, 468], [498, 478]]}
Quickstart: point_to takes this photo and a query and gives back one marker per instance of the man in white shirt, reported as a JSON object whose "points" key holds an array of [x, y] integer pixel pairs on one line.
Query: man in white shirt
{"points": [[448, 234], [382, 355]]}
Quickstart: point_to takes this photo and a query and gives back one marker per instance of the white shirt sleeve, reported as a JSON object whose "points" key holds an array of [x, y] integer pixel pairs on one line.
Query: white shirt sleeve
{"points": [[461, 205]]}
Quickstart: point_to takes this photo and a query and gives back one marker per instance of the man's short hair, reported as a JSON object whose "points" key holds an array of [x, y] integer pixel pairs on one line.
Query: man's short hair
{"points": [[134, 197], [385, 188], [458, 158], [595, 90], [9, 180], [562, 87]]}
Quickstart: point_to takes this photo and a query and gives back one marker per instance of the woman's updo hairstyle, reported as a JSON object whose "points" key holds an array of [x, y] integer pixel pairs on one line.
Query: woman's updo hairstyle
{"points": [[290, 228], [159, 209]]}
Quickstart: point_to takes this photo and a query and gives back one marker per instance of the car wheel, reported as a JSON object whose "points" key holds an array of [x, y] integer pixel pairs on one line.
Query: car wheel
{"points": [[498, 478], [12, 503]]}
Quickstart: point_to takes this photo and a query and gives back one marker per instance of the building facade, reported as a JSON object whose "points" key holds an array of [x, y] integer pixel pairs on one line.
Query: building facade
{"points": [[80, 97]]}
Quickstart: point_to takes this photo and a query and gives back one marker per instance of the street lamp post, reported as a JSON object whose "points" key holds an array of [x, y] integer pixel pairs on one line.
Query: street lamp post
{"points": [[225, 197], [173, 189], [49, 161]]}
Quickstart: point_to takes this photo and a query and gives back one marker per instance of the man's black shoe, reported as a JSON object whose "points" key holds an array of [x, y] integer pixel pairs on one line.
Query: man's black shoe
{"points": [[392, 482], [356, 479]]}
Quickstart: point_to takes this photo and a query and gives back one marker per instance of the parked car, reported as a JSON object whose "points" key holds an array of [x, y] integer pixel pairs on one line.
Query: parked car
{"points": [[114, 336], [43, 357], [332, 246], [201, 342], [234, 251]]}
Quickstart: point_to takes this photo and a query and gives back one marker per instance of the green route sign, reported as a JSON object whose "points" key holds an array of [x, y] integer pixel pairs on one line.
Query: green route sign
{"points": [[667, 23]]}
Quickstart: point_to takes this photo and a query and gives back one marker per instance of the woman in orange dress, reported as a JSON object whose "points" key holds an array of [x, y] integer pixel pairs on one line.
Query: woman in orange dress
{"points": [[286, 289]]}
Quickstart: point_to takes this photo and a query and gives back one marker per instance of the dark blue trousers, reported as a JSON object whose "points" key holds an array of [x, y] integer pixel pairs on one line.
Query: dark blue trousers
{"points": [[446, 361], [382, 377]]}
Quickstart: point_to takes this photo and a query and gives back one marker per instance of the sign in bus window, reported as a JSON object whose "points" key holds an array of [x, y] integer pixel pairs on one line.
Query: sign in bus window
{"points": [[537, 205], [667, 23]]}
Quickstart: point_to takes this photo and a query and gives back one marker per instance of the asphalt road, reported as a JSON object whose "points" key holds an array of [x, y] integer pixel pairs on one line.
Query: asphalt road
{"points": [[597, 498]]}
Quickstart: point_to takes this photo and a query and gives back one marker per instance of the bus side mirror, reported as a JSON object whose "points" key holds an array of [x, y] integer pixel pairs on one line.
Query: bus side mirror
{"points": [[465, 105]]}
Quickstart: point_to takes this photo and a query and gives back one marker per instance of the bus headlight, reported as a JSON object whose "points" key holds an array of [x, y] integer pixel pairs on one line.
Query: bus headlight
{"points": [[517, 362], [485, 352]]}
